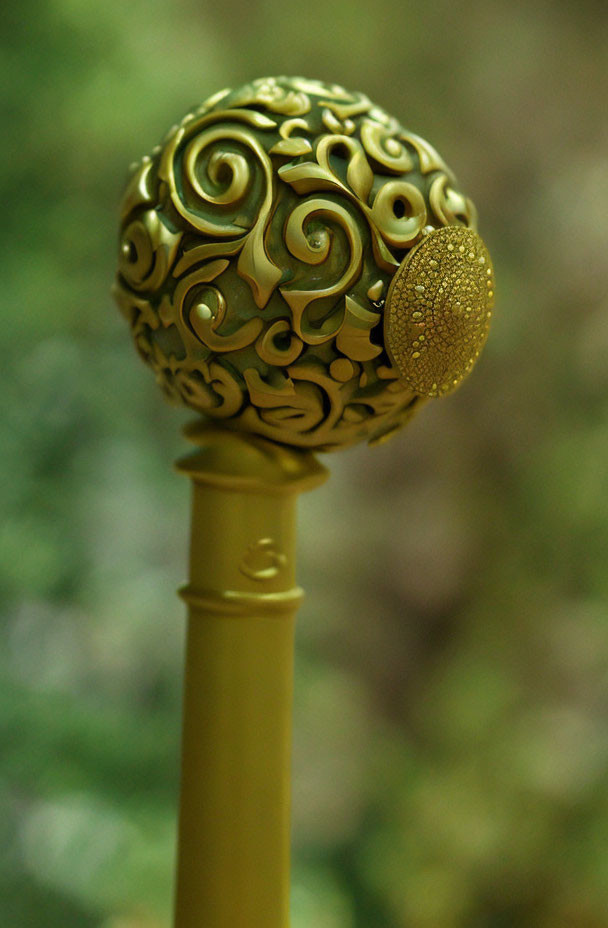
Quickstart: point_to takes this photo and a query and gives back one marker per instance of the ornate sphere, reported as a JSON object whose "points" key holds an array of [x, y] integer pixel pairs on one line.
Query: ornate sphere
{"points": [[296, 263]]}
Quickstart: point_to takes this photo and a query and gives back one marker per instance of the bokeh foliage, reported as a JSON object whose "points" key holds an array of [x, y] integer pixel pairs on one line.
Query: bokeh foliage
{"points": [[451, 743]]}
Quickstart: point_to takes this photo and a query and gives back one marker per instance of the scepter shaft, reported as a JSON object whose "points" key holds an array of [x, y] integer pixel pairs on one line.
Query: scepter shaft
{"points": [[234, 823]]}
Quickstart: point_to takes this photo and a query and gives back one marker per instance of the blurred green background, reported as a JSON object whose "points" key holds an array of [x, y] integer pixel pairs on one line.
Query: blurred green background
{"points": [[451, 719]]}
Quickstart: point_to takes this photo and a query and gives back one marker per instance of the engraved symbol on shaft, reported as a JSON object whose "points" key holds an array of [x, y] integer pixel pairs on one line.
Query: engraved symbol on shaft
{"points": [[262, 560]]}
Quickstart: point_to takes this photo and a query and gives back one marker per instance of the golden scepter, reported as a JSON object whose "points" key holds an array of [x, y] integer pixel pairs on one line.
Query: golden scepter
{"points": [[302, 271]]}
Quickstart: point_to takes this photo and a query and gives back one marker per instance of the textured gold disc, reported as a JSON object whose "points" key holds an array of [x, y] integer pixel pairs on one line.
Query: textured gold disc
{"points": [[438, 309]]}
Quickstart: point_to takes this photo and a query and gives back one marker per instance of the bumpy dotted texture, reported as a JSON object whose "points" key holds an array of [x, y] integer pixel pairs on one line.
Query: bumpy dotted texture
{"points": [[439, 308]]}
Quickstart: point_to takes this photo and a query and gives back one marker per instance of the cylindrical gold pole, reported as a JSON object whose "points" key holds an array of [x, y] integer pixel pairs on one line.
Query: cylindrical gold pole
{"points": [[233, 844]]}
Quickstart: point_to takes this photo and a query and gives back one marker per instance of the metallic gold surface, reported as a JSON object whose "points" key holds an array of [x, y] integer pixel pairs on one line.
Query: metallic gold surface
{"points": [[438, 310], [233, 848], [258, 244], [298, 266]]}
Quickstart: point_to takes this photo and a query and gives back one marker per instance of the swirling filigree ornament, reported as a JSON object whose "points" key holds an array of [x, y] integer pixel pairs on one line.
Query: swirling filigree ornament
{"points": [[271, 254]]}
